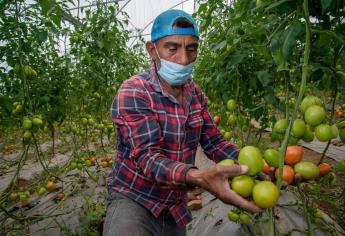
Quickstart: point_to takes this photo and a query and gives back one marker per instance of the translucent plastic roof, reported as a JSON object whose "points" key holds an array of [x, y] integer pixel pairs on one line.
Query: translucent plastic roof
{"points": [[141, 12]]}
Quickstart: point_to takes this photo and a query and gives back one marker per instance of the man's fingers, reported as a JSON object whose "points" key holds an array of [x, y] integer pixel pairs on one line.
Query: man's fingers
{"points": [[234, 170], [235, 199]]}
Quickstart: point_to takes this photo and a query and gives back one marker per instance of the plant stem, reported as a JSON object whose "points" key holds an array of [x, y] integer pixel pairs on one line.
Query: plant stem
{"points": [[305, 74], [271, 231], [306, 213]]}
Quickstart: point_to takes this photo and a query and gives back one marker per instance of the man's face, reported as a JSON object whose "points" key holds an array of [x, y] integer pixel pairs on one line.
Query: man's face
{"points": [[181, 49]]}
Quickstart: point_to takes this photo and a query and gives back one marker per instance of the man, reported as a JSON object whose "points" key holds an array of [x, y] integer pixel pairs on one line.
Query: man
{"points": [[161, 116]]}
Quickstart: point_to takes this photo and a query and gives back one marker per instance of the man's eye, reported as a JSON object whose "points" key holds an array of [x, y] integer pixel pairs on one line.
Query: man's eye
{"points": [[172, 49]]}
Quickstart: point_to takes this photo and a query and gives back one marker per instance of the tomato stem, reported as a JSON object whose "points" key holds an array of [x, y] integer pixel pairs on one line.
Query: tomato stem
{"points": [[305, 74]]}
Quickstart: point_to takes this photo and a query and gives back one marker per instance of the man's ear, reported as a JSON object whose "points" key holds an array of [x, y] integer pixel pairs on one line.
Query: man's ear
{"points": [[151, 50], [150, 47]]}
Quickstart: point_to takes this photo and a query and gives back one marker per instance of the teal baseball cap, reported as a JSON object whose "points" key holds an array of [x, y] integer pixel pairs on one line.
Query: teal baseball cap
{"points": [[163, 25]]}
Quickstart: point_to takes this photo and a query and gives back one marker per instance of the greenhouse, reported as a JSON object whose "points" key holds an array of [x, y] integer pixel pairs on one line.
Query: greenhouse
{"points": [[179, 117]]}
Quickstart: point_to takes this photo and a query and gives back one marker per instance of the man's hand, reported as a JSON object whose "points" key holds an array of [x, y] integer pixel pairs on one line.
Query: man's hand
{"points": [[215, 180]]}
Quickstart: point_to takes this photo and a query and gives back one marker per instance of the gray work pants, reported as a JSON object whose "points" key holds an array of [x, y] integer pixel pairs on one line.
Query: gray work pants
{"points": [[125, 217]]}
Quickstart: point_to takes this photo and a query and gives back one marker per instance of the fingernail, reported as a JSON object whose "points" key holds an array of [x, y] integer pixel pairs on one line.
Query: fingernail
{"points": [[244, 168]]}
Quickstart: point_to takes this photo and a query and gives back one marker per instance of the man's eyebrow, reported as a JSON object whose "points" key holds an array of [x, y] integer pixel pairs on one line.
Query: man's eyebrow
{"points": [[169, 43]]}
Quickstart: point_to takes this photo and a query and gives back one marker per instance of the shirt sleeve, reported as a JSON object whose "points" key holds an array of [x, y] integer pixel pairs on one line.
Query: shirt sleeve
{"points": [[215, 146], [132, 112]]}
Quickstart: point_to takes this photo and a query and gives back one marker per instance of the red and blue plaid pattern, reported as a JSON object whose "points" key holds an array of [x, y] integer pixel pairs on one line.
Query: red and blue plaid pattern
{"points": [[157, 141]]}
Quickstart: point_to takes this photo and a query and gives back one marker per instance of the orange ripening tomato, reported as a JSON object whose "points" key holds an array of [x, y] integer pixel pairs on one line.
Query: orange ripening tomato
{"points": [[293, 154], [216, 120], [339, 113], [266, 168], [288, 174], [324, 168]]}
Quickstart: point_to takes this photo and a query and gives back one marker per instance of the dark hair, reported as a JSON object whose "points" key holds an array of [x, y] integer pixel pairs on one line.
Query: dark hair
{"points": [[183, 22]]}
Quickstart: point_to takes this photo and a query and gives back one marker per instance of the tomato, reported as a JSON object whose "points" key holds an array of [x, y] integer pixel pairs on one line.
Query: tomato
{"points": [[104, 164], [231, 105], [265, 194], [84, 121], [280, 126], [90, 121], [37, 122], [227, 135], [23, 197], [94, 178], [341, 166], [88, 163], [50, 186], [323, 132], [41, 191], [308, 135], [79, 166], [335, 131], [60, 195], [288, 174], [231, 119], [233, 216], [216, 120], [276, 136], [243, 185], [251, 157], [27, 136], [342, 134], [293, 140], [266, 168], [324, 169], [27, 124], [244, 218], [298, 128], [293, 155], [308, 170], [315, 115], [271, 156], [339, 113], [73, 165], [318, 214], [13, 197], [226, 162], [309, 101]]}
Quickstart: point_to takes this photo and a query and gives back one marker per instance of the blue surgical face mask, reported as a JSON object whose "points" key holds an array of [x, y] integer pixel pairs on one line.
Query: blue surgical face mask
{"points": [[174, 73]]}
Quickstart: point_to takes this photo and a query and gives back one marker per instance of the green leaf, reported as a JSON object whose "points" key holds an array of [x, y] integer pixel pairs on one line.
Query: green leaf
{"points": [[236, 58], [325, 5], [280, 61], [264, 77], [294, 32]]}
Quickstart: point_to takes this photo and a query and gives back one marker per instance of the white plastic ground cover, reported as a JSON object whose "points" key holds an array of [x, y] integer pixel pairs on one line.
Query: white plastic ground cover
{"points": [[211, 220]]}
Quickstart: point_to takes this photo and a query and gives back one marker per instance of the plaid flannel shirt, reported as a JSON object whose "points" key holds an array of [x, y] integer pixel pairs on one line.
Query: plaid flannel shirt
{"points": [[157, 141]]}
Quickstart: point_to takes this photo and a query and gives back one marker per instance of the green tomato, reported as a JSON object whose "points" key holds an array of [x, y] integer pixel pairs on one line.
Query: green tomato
{"points": [[84, 121], [315, 115], [342, 134], [251, 157], [308, 135], [341, 166], [226, 162], [265, 194], [27, 124], [233, 216], [41, 191], [308, 170], [244, 218], [231, 105], [227, 136], [271, 156], [243, 185], [335, 131], [298, 128], [37, 122], [280, 126], [323, 132], [309, 101]]}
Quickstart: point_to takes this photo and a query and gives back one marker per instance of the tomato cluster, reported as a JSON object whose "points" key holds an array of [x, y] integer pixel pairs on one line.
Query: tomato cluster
{"points": [[264, 193], [294, 169], [313, 124]]}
